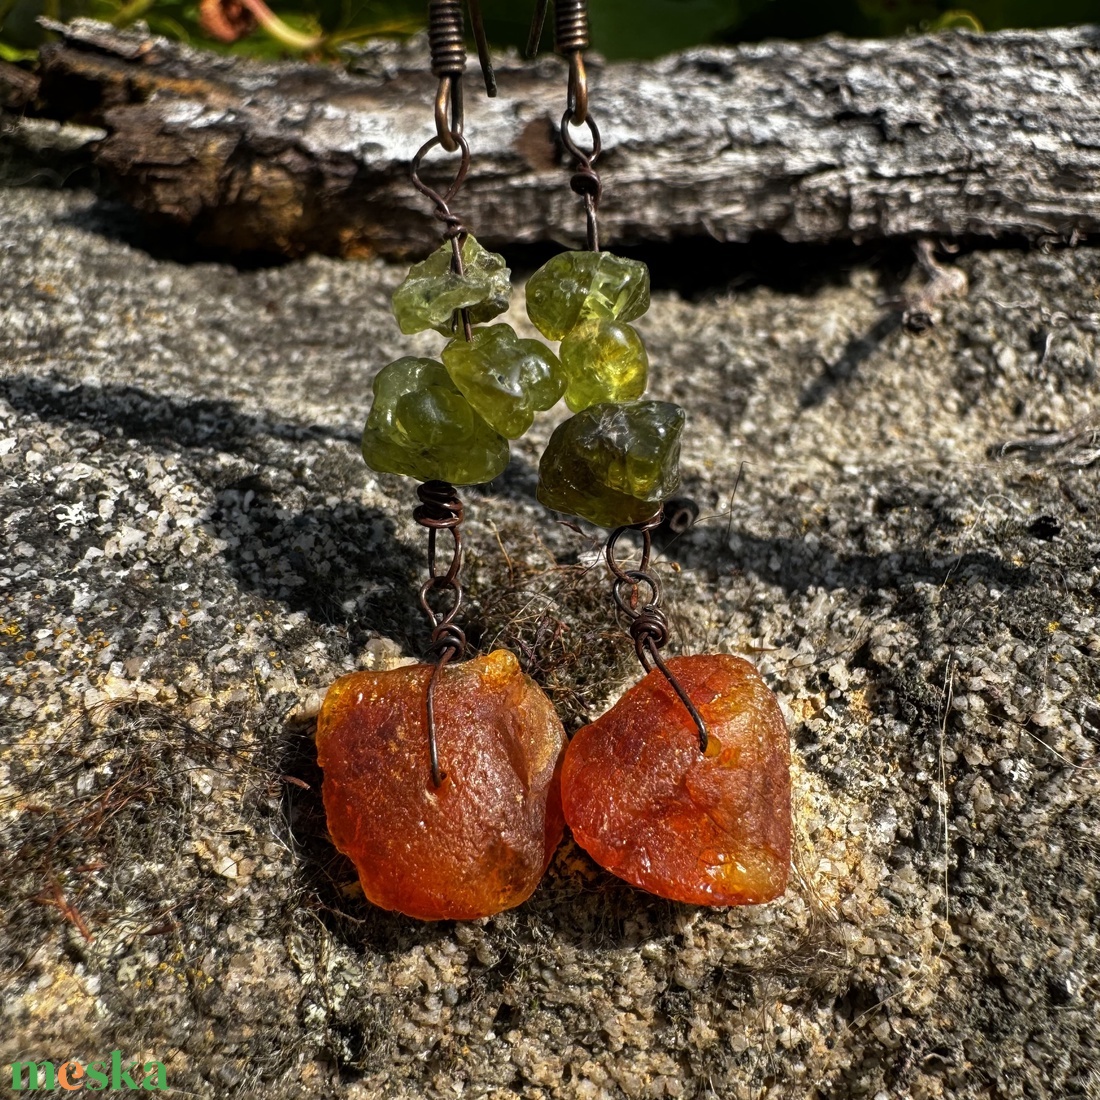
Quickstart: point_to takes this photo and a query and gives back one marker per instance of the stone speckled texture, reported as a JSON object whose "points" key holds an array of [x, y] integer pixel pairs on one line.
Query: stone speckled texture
{"points": [[645, 802], [478, 843], [194, 551]]}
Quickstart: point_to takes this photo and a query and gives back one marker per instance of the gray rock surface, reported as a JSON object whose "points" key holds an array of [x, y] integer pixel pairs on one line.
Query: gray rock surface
{"points": [[193, 550]]}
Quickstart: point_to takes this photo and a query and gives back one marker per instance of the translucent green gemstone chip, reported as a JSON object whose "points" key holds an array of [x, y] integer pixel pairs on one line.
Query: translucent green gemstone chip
{"points": [[504, 378], [432, 292], [603, 361], [576, 285], [613, 464], [421, 426]]}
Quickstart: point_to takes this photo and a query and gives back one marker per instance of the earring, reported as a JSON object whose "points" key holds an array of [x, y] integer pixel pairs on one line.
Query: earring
{"points": [[441, 780], [682, 788]]}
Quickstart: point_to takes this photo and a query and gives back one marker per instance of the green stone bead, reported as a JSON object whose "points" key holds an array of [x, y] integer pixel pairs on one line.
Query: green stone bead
{"points": [[603, 361], [432, 292], [504, 378], [613, 464], [576, 285], [421, 426]]}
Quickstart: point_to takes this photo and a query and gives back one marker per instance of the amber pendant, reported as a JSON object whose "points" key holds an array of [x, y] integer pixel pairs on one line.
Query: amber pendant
{"points": [[709, 828], [480, 841]]}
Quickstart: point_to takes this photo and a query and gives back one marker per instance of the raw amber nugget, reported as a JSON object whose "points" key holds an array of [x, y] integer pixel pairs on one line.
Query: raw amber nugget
{"points": [[432, 292], [480, 842], [421, 426], [646, 804], [613, 464], [504, 378], [603, 361], [576, 285]]}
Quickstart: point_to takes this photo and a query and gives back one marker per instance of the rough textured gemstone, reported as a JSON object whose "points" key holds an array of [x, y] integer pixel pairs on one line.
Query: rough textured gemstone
{"points": [[481, 841], [646, 804], [575, 285], [504, 378], [603, 361], [432, 292], [421, 426], [613, 464]]}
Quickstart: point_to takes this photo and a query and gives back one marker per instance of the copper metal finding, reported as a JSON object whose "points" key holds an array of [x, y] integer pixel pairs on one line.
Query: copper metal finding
{"points": [[648, 623], [454, 230], [447, 42], [571, 40], [441, 510], [585, 181]]}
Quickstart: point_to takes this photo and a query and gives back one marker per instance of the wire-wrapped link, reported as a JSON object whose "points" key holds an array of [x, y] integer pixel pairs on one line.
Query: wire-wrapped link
{"points": [[446, 37], [441, 510], [648, 623], [570, 26]]}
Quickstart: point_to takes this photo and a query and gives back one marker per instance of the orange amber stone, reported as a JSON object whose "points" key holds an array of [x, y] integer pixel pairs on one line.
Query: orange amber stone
{"points": [[480, 842], [645, 803]]}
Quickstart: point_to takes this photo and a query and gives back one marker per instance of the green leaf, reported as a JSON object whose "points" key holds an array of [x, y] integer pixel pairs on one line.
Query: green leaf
{"points": [[13, 53], [956, 20]]}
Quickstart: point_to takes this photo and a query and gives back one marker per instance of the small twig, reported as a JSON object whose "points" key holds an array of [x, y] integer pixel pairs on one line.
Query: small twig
{"points": [[65, 907]]}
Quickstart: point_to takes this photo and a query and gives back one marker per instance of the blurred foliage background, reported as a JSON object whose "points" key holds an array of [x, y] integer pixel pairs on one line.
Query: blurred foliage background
{"points": [[620, 28]]}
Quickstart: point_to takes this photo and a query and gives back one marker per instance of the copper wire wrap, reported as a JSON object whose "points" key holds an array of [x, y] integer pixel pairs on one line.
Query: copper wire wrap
{"points": [[570, 26], [447, 43], [585, 181], [571, 40], [648, 623], [454, 231], [441, 510]]}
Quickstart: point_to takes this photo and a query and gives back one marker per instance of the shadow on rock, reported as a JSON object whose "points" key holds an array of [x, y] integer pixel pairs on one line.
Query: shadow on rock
{"points": [[132, 413], [858, 350], [341, 565], [797, 566], [162, 238]]}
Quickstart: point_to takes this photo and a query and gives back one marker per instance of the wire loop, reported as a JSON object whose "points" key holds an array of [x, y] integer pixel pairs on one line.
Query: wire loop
{"points": [[441, 509], [648, 623]]}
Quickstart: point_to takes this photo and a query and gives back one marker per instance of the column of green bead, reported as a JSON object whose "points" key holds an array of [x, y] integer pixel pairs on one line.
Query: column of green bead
{"points": [[432, 293], [585, 299], [420, 425], [504, 378], [613, 464]]}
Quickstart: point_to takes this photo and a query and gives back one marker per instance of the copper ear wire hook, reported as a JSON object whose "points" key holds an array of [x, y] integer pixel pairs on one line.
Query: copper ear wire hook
{"points": [[447, 41], [570, 40], [648, 623]]}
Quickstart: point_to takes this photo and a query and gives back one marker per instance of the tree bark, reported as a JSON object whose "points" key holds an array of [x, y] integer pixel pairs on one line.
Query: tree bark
{"points": [[956, 135]]}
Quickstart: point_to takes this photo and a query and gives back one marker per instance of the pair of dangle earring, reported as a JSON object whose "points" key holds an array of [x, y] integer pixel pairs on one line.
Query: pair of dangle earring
{"points": [[682, 788]]}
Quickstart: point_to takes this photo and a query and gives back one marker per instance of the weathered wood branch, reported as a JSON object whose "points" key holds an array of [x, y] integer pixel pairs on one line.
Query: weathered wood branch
{"points": [[836, 140]]}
